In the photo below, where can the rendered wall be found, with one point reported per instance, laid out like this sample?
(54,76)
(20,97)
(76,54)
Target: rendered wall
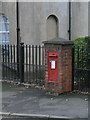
(33,20)
(79,19)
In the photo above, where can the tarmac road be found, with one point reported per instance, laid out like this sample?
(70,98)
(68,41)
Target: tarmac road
(12,118)
(40,119)
(18,99)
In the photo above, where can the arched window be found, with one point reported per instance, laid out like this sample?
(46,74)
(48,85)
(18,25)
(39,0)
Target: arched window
(52,27)
(4,30)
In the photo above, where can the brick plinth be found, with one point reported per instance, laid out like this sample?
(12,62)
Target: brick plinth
(64,80)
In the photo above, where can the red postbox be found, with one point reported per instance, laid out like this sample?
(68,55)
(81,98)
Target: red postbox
(53,67)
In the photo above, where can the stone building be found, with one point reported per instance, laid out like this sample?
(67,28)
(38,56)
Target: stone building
(39,21)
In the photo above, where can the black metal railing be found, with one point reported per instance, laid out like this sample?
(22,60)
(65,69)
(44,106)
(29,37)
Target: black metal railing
(9,62)
(29,69)
(81,68)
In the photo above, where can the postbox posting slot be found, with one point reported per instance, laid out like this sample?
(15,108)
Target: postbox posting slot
(52,54)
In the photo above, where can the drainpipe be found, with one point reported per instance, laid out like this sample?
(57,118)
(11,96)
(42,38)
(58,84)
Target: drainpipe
(69,31)
(18,26)
(18,35)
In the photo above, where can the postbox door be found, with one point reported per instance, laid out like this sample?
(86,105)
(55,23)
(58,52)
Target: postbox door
(52,67)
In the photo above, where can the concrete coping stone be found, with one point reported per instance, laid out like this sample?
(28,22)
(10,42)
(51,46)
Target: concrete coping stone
(60,41)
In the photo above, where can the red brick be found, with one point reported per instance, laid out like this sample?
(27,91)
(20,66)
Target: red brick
(64,68)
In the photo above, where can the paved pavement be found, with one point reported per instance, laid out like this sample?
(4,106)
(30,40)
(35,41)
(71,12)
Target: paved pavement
(19,99)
